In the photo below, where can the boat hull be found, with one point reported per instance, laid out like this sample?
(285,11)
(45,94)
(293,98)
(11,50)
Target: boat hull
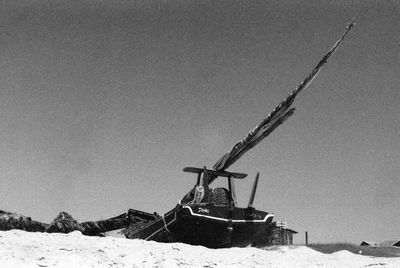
(208,225)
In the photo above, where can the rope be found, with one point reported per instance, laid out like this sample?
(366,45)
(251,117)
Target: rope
(169,234)
(165,224)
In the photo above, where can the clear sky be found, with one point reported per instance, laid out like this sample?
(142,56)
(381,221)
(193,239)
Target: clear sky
(102,103)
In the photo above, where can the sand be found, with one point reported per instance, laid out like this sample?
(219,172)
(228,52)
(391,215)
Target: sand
(24,249)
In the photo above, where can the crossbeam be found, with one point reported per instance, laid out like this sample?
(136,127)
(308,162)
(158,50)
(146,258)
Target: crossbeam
(226,174)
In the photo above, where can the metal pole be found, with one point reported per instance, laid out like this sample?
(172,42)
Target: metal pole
(306,238)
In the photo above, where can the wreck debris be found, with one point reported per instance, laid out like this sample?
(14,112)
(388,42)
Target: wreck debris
(9,221)
(65,223)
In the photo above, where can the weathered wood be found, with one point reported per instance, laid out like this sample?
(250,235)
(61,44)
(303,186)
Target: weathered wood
(216,173)
(253,191)
(65,223)
(9,221)
(281,113)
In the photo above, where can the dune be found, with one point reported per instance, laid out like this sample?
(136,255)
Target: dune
(28,249)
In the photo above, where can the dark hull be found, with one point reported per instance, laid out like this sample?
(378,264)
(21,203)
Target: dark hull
(208,225)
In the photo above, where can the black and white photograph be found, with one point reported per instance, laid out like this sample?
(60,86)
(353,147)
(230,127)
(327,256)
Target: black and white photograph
(182,133)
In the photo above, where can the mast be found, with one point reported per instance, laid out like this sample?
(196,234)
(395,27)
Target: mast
(277,116)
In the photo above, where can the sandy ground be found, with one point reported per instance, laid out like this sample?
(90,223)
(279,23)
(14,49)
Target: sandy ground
(23,249)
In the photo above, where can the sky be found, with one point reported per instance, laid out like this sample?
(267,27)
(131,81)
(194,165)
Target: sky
(103,103)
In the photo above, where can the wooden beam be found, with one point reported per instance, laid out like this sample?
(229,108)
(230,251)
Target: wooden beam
(216,173)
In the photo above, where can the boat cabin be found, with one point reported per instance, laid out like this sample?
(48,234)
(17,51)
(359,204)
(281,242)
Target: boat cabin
(201,193)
